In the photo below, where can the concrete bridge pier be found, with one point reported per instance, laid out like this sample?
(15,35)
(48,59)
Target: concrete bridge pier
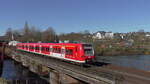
(33,66)
(25,61)
(42,70)
(61,78)
(54,77)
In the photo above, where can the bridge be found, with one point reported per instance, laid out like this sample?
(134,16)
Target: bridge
(60,72)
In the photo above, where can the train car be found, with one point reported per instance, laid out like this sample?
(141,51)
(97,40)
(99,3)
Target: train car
(75,52)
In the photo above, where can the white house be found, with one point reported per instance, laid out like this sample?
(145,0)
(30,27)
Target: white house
(13,43)
(147,35)
(102,35)
(109,35)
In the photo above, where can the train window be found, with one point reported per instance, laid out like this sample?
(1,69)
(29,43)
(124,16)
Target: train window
(70,52)
(26,47)
(58,50)
(88,51)
(87,45)
(30,47)
(43,49)
(54,49)
(37,48)
(67,52)
(47,49)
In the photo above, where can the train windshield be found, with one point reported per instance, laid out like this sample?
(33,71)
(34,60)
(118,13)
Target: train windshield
(88,49)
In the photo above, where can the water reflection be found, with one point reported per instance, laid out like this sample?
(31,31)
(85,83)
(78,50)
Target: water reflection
(16,72)
(138,61)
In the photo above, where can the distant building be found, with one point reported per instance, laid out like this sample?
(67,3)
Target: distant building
(13,43)
(99,35)
(147,35)
(120,35)
(103,35)
(109,35)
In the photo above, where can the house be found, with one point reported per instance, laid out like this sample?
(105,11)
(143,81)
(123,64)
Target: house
(103,35)
(13,43)
(99,35)
(147,35)
(120,35)
(109,35)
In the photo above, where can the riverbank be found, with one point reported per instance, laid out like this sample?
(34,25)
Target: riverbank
(121,51)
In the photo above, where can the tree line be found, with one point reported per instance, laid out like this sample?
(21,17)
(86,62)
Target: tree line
(34,34)
(31,34)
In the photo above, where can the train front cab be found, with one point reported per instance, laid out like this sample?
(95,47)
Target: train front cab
(88,53)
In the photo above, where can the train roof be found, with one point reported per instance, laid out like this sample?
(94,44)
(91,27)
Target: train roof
(50,43)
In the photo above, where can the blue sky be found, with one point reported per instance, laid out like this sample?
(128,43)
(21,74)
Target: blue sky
(76,15)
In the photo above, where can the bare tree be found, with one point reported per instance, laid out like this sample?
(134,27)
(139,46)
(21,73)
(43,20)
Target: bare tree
(35,34)
(8,34)
(26,32)
(49,35)
(17,34)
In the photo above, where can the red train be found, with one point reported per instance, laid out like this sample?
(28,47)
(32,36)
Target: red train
(76,52)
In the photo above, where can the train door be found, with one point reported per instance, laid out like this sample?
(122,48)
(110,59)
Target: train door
(63,52)
(40,48)
(51,50)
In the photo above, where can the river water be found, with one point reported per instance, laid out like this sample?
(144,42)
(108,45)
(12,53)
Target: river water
(137,61)
(16,72)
